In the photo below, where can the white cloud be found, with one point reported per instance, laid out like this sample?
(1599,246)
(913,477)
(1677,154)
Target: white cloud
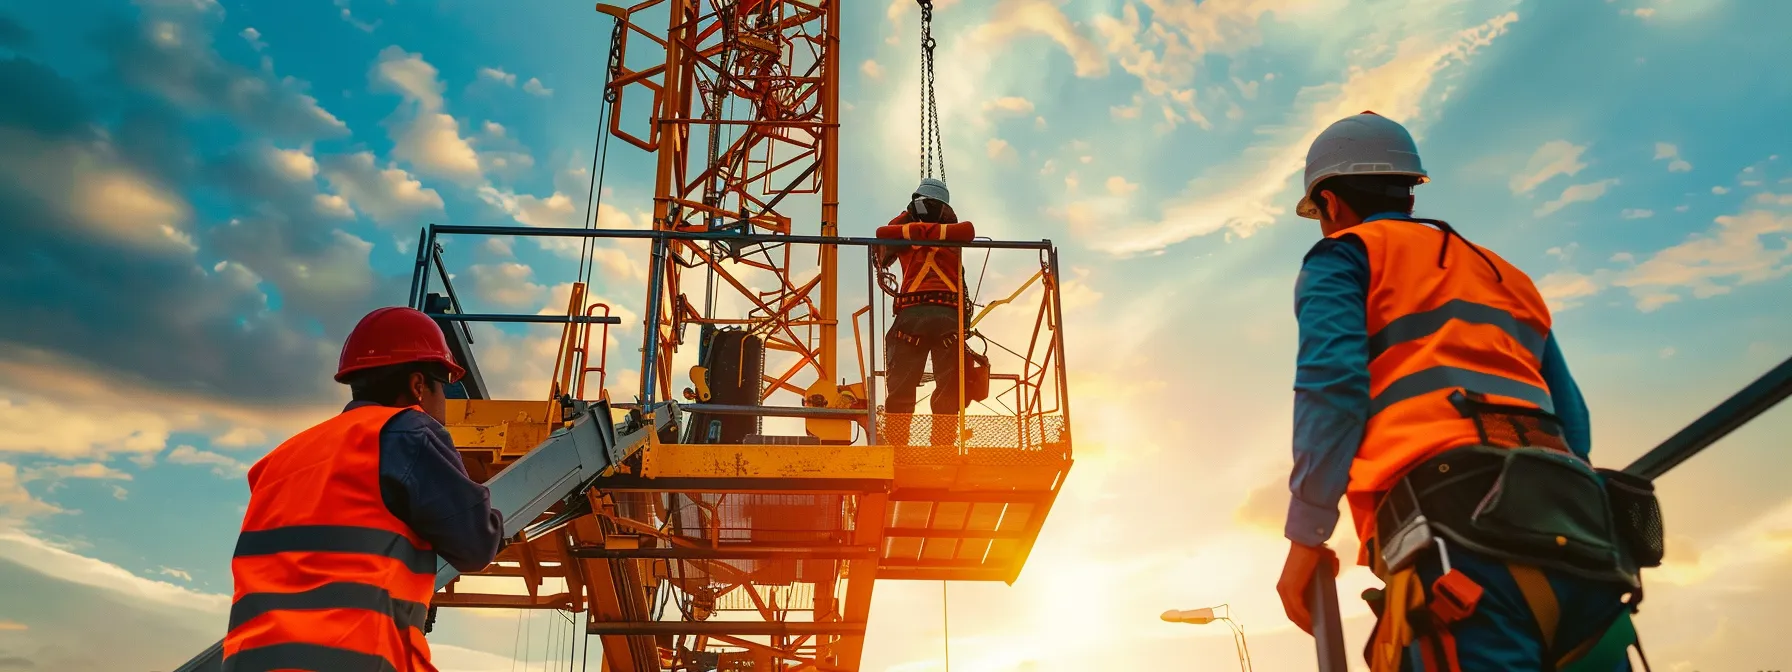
(1576,193)
(1720,190)
(1636,213)
(349,17)
(223,466)
(1676,164)
(1012,19)
(332,205)
(534,86)
(95,188)
(1118,186)
(407,74)
(88,470)
(16,503)
(1556,157)
(253,37)
(1243,195)
(43,557)
(507,284)
(241,437)
(1009,105)
(872,70)
(1641,12)
(498,75)
(389,195)
(422,134)
(1732,253)
(176,573)
(998,149)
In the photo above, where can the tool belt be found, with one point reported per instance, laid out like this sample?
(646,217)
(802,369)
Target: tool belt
(935,298)
(1520,497)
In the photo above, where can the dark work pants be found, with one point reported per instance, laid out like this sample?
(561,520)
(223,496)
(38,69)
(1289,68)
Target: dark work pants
(1502,635)
(936,330)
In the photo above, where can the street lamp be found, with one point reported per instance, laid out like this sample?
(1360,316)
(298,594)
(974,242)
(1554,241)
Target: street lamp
(1206,615)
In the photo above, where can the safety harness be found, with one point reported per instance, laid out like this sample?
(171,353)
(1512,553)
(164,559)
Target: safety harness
(1521,497)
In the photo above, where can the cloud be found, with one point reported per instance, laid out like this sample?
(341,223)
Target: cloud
(87,470)
(507,284)
(422,134)
(1676,164)
(13,35)
(1012,19)
(1576,193)
(16,503)
(241,437)
(1641,12)
(1636,213)
(1118,186)
(389,195)
(170,55)
(535,87)
(998,149)
(253,37)
(1556,157)
(1720,190)
(1251,192)
(222,466)
(1740,249)
(1009,105)
(498,75)
(872,70)
(176,573)
(357,23)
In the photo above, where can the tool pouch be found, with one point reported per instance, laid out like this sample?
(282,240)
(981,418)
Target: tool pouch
(1637,516)
(1550,508)
(976,376)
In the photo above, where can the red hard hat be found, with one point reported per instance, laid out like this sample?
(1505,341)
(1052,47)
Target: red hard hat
(396,335)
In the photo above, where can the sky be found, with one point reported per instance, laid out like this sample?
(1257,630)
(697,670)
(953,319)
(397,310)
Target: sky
(198,199)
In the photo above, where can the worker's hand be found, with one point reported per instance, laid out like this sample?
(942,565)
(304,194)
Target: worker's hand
(1296,583)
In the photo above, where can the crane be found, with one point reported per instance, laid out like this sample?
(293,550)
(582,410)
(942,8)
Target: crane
(742,522)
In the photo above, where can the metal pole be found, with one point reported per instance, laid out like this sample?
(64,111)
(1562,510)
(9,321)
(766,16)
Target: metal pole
(1768,390)
(1328,628)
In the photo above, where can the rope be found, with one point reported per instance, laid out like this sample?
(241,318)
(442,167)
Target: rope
(931,146)
(600,157)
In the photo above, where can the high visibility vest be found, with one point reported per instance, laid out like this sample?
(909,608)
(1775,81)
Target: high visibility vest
(929,274)
(1433,331)
(326,577)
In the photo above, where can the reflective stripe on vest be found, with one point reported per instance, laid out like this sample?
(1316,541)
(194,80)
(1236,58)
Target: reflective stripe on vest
(924,268)
(326,577)
(1432,331)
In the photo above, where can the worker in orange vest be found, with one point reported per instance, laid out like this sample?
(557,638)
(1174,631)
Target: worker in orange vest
(1430,392)
(337,560)
(929,308)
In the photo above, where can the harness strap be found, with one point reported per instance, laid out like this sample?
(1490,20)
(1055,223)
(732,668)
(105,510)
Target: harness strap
(1404,595)
(1541,599)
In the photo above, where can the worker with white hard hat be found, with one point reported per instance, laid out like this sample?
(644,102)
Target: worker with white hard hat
(1430,393)
(931,309)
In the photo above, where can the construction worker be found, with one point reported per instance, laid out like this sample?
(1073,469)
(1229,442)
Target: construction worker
(1431,393)
(337,559)
(929,308)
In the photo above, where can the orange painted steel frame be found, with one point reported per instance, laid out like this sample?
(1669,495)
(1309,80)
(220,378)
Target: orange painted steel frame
(759,530)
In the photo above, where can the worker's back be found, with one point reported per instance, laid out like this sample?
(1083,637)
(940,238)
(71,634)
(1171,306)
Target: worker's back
(325,574)
(1442,315)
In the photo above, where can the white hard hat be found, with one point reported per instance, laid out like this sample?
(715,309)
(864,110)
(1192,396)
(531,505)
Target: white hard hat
(934,189)
(1364,144)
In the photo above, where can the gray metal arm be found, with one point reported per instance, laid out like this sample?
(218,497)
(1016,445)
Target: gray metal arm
(563,465)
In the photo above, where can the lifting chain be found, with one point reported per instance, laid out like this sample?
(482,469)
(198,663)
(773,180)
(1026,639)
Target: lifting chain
(931,146)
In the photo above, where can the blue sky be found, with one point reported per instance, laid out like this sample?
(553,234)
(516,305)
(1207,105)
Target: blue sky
(200,197)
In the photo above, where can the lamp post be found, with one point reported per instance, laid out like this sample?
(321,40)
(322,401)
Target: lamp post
(1206,615)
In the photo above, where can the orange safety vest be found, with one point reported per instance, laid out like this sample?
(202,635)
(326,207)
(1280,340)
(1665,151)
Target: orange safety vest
(929,273)
(1442,315)
(326,577)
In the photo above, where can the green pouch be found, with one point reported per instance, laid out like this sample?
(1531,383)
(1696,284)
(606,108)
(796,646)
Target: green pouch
(1552,507)
(1612,650)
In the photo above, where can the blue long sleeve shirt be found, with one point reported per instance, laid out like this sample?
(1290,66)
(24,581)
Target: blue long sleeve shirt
(424,484)
(1331,385)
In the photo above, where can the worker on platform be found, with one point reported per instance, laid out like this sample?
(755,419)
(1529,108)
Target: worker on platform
(930,310)
(1429,382)
(337,559)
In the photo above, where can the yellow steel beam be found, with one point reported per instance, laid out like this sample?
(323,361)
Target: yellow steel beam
(666,460)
